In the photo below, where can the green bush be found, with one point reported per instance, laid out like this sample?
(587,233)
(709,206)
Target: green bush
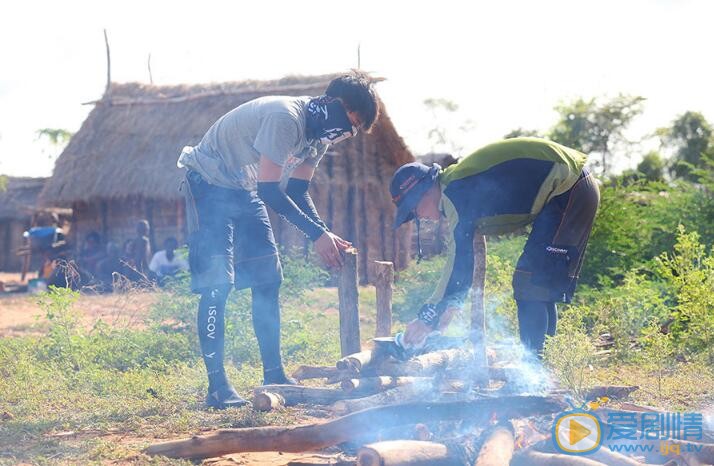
(688,272)
(636,223)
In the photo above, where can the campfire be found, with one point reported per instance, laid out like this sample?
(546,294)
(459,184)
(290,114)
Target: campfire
(455,404)
(427,410)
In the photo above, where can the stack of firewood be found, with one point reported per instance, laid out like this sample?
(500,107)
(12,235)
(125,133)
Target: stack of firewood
(423,411)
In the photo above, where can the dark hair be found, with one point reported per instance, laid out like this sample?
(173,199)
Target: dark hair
(357,93)
(171,240)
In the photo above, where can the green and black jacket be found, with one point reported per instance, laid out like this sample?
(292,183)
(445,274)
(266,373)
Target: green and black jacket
(497,189)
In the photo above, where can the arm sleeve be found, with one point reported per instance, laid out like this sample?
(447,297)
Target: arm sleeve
(270,193)
(457,277)
(297,190)
(277,137)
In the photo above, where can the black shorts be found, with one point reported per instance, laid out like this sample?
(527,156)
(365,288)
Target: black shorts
(233,243)
(549,267)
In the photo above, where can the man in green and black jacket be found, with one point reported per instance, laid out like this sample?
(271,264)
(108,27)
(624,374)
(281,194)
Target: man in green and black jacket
(498,189)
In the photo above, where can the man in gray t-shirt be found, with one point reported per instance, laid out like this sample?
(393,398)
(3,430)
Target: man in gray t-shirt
(264,151)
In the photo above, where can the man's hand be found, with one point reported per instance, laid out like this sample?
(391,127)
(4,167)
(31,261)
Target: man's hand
(416,332)
(328,247)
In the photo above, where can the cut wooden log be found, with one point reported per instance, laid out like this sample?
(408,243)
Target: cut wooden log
(429,363)
(401,394)
(320,372)
(355,362)
(297,394)
(267,401)
(406,453)
(603,454)
(347,291)
(383,287)
(314,437)
(497,447)
(530,457)
(371,385)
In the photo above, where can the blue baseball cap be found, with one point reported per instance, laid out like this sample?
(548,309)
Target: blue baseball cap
(409,184)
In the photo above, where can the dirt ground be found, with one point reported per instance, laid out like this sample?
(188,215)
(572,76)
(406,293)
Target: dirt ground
(21,314)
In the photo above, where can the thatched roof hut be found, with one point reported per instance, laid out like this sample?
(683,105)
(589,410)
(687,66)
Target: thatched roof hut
(17,206)
(121,165)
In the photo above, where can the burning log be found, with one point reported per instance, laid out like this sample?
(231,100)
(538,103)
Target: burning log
(355,362)
(371,385)
(406,453)
(429,363)
(297,394)
(313,437)
(497,448)
(404,393)
(531,457)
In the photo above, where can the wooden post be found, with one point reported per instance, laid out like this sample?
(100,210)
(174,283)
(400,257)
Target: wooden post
(383,286)
(349,304)
(478,319)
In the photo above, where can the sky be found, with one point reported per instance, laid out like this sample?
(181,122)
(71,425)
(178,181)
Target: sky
(506,63)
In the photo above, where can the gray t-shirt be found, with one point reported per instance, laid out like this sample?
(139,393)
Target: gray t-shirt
(273,126)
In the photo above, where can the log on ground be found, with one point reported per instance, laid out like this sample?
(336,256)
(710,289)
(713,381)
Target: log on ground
(404,393)
(313,437)
(406,453)
(321,372)
(298,394)
(497,447)
(530,457)
(371,385)
(355,362)
(429,363)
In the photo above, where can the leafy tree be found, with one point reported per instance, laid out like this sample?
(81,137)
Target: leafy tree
(520,133)
(652,166)
(56,136)
(3,183)
(691,137)
(591,126)
(443,112)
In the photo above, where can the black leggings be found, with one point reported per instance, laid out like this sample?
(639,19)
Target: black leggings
(211,328)
(536,319)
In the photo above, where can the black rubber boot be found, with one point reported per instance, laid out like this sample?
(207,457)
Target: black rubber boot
(277,376)
(224,397)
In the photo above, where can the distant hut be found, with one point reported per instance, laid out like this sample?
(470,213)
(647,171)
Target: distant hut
(17,206)
(121,167)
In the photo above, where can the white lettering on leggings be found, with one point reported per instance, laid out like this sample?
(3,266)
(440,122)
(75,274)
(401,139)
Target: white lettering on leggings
(211,327)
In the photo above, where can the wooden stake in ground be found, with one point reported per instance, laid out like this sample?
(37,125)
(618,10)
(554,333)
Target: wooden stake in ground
(406,453)
(349,303)
(314,437)
(478,312)
(383,286)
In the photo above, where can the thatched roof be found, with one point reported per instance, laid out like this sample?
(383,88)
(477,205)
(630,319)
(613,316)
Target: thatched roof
(18,201)
(129,143)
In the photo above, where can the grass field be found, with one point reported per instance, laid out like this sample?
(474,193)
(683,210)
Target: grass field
(94,379)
